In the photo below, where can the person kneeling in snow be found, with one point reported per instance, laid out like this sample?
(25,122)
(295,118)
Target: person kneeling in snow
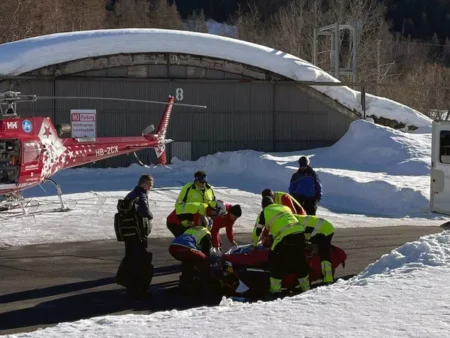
(287,254)
(194,214)
(226,221)
(192,249)
(285,199)
(319,232)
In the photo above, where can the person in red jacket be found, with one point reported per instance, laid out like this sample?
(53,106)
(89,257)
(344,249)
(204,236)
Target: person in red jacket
(175,226)
(226,221)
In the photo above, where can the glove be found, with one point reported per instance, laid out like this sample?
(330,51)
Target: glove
(216,251)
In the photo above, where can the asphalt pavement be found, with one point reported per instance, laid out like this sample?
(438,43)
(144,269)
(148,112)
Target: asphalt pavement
(43,285)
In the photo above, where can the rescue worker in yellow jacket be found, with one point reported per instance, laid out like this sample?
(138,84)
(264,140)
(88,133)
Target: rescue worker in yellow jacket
(283,198)
(287,252)
(195,197)
(319,232)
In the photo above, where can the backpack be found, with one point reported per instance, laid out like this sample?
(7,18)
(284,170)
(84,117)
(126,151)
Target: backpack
(128,223)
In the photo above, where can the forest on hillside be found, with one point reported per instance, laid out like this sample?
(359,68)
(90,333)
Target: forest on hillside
(402,43)
(420,19)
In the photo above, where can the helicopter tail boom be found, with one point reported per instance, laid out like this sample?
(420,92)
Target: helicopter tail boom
(161,132)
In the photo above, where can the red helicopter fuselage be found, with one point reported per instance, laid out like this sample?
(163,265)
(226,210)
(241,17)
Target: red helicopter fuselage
(31,150)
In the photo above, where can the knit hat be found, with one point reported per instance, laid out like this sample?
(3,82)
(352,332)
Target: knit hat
(266,201)
(236,210)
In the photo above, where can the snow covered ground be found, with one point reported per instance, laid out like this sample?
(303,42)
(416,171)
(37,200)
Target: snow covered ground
(404,294)
(374,176)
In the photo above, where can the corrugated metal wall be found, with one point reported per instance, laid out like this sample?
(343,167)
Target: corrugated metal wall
(261,116)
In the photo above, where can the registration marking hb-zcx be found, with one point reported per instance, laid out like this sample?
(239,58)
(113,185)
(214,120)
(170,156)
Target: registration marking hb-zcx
(107,151)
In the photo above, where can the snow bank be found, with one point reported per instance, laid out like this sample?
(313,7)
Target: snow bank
(26,55)
(370,147)
(405,294)
(375,176)
(372,170)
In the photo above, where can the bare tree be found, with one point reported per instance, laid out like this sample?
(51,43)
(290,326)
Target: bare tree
(19,19)
(130,14)
(68,16)
(196,22)
(166,16)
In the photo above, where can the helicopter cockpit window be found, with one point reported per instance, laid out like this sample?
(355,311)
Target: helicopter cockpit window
(9,161)
(31,152)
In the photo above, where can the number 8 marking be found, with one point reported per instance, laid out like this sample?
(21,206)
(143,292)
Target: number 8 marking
(179,95)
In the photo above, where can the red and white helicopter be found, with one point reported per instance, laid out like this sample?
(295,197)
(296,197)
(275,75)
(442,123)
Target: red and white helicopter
(32,149)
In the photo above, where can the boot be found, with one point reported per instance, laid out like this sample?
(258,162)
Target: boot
(275,289)
(327,272)
(303,284)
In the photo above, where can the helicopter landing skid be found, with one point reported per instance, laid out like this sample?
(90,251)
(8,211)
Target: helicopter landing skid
(12,202)
(59,192)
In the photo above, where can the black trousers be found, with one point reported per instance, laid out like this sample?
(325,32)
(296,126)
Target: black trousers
(324,244)
(288,257)
(309,204)
(176,229)
(136,269)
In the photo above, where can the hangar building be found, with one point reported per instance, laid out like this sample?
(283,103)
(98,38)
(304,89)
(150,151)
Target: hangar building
(252,94)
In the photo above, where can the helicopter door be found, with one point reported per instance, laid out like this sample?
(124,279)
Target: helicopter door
(9,161)
(31,156)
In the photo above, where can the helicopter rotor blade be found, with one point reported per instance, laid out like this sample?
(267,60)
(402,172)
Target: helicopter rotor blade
(115,99)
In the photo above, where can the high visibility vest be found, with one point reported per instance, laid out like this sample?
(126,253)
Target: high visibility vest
(279,195)
(280,221)
(189,194)
(186,211)
(197,233)
(315,225)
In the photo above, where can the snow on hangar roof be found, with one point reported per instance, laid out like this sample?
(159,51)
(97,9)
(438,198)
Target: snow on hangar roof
(22,56)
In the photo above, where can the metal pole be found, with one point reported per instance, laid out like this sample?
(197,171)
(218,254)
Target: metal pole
(355,56)
(315,47)
(378,66)
(336,55)
(363,100)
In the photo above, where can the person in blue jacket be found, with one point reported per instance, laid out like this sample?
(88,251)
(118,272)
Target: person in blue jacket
(305,186)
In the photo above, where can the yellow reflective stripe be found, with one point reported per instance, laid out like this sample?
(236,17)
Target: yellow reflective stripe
(274,218)
(287,226)
(316,229)
(259,226)
(197,234)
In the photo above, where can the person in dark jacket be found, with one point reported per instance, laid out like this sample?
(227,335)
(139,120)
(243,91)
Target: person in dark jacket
(305,186)
(136,270)
(141,191)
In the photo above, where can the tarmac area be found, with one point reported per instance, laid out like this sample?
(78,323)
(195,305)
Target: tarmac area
(43,285)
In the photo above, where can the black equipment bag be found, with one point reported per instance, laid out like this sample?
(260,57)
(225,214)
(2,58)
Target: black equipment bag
(128,223)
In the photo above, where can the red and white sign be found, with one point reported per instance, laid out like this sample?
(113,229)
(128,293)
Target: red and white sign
(83,122)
